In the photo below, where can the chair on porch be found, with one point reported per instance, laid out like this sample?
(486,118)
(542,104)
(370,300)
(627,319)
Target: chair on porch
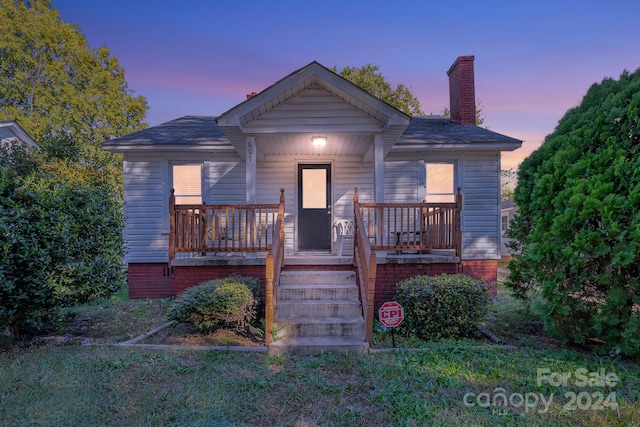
(342,228)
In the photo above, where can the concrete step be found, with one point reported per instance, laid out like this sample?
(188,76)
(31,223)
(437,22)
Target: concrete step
(352,326)
(321,277)
(309,345)
(317,308)
(317,292)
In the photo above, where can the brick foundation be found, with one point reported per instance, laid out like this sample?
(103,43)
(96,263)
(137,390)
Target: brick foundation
(156,280)
(150,280)
(188,276)
(485,269)
(387,275)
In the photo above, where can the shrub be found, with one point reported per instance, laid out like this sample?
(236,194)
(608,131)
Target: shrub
(229,301)
(577,229)
(442,306)
(60,238)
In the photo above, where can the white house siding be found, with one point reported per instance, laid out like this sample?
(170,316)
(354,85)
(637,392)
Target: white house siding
(401,181)
(225,181)
(271,176)
(481,206)
(350,173)
(282,173)
(145,201)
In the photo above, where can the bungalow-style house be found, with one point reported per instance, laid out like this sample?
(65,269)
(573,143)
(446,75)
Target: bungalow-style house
(11,133)
(325,192)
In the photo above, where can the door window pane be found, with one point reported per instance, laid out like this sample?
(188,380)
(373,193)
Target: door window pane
(187,183)
(314,188)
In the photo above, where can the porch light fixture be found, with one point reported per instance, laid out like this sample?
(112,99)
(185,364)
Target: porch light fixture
(319,141)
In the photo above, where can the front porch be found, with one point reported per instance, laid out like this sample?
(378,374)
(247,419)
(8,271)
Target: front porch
(250,238)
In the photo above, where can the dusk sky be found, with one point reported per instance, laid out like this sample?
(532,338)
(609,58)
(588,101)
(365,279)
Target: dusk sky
(533,60)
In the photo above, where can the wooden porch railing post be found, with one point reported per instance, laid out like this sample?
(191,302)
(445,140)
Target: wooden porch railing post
(355,225)
(172,226)
(458,223)
(274,263)
(281,215)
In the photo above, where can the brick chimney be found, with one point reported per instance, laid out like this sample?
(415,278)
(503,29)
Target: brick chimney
(462,92)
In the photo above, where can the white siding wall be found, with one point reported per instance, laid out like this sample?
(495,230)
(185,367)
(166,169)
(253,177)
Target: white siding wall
(144,207)
(401,179)
(481,206)
(271,176)
(282,173)
(146,190)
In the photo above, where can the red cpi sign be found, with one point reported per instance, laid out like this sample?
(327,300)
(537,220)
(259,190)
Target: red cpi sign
(391,314)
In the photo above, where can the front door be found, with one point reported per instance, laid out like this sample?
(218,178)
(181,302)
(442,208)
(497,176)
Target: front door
(314,207)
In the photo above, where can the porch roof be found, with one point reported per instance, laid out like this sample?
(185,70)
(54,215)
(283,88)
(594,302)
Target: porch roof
(202,133)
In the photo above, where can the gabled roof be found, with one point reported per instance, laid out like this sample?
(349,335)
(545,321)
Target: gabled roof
(241,120)
(11,131)
(260,115)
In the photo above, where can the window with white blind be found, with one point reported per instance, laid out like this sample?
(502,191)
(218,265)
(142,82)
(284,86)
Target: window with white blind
(187,183)
(440,182)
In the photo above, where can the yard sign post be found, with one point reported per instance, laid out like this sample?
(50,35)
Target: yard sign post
(391,314)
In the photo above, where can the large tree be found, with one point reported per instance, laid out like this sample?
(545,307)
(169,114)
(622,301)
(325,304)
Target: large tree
(577,231)
(54,84)
(369,78)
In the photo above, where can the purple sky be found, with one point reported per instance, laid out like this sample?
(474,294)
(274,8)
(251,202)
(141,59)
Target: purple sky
(534,59)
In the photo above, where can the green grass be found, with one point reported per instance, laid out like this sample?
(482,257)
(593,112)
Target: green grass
(75,385)
(98,385)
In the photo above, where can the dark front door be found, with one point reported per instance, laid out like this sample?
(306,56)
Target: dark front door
(314,207)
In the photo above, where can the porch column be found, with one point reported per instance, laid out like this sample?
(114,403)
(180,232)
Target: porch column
(378,169)
(250,174)
(250,170)
(378,181)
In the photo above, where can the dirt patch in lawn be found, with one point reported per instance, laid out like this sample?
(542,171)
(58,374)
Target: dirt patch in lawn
(185,334)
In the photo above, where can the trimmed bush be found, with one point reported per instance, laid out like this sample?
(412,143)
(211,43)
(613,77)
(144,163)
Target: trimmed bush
(222,302)
(444,306)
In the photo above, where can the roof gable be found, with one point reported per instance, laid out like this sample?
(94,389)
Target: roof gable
(318,94)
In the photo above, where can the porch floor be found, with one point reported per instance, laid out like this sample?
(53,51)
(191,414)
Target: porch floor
(317,258)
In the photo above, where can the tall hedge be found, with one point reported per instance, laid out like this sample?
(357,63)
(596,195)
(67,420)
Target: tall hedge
(577,231)
(60,236)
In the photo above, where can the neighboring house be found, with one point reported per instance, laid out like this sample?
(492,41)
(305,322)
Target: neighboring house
(508,209)
(317,136)
(11,133)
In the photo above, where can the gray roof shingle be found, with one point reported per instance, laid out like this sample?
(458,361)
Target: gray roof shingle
(204,131)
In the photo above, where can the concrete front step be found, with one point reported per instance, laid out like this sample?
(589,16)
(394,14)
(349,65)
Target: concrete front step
(308,345)
(318,277)
(352,326)
(318,292)
(317,308)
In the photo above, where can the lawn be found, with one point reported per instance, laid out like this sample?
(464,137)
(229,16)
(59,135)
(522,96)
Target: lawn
(449,383)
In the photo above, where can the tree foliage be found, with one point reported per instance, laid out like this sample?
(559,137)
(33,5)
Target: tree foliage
(60,236)
(369,78)
(577,230)
(508,180)
(55,85)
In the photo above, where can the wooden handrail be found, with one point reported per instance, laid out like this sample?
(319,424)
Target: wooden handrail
(274,263)
(366,264)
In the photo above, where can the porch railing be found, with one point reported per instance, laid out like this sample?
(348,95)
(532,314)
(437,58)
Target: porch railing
(203,228)
(413,226)
(275,261)
(366,264)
